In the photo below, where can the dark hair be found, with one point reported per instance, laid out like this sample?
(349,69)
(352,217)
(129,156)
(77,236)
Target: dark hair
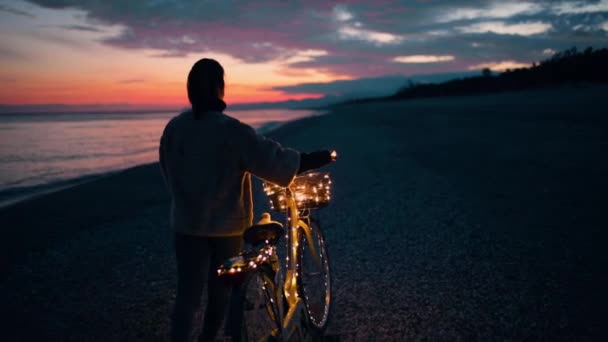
(206,86)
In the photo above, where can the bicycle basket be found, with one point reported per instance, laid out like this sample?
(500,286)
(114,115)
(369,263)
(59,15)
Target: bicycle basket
(311,190)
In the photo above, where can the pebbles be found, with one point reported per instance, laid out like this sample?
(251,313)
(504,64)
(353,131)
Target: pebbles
(435,231)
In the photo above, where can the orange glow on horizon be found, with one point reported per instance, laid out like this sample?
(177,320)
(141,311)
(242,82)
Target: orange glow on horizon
(29,95)
(99,74)
(48,91)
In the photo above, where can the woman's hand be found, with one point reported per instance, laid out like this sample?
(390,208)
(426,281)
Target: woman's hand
(334,155)
(315,160)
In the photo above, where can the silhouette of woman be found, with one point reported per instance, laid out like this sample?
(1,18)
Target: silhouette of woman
(207,159)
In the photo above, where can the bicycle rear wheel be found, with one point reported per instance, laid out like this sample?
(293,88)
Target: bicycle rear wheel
(255,310)
(314,282)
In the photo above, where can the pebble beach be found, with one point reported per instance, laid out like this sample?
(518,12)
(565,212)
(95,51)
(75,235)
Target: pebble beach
(461,218)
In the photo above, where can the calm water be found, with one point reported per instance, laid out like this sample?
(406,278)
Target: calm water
(39,151)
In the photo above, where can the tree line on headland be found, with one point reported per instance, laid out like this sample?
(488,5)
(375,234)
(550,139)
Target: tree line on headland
(569,66)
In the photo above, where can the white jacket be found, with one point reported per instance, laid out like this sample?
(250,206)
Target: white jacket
(207,165)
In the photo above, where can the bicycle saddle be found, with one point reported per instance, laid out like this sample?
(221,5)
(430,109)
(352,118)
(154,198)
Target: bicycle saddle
(265,229)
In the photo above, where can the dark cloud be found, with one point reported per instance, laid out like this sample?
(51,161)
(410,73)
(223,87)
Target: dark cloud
(11,53)
(57,4)
(81,28)
(132,80)
(359,38)
(7,9)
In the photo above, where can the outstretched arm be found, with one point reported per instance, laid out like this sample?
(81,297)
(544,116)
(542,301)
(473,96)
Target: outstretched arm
(315,160)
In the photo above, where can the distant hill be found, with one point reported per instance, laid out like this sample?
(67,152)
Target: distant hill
(564,67)
(344,90)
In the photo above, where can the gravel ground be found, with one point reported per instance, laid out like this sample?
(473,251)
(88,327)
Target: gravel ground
(472,218)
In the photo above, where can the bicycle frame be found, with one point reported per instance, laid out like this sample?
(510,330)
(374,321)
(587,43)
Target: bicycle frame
(294,322)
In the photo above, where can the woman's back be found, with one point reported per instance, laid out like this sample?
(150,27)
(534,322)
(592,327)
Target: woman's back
(207,162)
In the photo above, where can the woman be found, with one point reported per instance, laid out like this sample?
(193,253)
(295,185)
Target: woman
(207,159)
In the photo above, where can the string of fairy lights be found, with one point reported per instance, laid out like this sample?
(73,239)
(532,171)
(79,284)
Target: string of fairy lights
(309,191)
(244,262)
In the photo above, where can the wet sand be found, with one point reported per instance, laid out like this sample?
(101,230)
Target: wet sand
(467,218)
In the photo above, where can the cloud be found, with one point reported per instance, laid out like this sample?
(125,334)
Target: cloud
(11,53)
(378,38)
(580,7)
(342,14)
(132,80)
(355,31)
(15,11)
(81,28)
(306,55)
(582,27)
(497,10)
(170,54)
(549,52)
(357,37)
(510,9)
(604,26)
(500,66)
(500,27)
(423,59)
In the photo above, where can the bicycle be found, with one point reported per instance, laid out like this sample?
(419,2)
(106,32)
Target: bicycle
(268,305)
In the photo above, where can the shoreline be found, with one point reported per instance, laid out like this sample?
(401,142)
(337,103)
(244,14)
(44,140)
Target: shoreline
(26,193)
(35,191)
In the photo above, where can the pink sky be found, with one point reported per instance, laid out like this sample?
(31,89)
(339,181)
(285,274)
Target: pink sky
(139,52)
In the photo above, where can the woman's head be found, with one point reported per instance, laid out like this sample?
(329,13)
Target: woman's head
(205,84)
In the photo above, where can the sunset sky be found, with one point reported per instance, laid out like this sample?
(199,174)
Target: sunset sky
(139,52)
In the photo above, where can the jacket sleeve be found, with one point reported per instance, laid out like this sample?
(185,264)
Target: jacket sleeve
(267,159)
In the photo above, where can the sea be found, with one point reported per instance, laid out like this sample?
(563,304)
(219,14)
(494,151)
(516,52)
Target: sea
(41,153)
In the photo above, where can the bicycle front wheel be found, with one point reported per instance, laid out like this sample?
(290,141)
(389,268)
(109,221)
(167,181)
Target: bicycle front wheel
(314,280)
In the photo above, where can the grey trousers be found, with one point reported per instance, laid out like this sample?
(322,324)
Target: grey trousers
(197,262)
